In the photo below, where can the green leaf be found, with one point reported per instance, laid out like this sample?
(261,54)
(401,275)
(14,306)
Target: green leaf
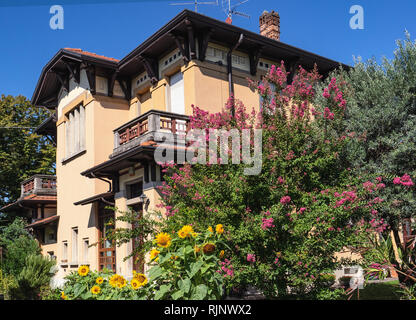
(155,273)
(177,295)
(200,292)
(195,267)
(185,285)
(162,291)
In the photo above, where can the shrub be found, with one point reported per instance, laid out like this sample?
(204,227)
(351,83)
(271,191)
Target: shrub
(17,244)
(35,275)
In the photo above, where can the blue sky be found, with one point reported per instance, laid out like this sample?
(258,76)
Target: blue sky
(114,29)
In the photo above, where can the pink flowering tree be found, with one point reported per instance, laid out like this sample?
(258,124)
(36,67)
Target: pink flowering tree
(286,224)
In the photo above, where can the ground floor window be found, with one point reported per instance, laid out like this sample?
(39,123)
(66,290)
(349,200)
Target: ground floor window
(106,248)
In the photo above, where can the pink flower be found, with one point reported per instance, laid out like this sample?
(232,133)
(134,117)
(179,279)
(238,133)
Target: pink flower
(251,257)
(267,223)
(285,200)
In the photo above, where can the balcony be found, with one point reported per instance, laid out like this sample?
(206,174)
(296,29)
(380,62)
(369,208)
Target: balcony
(39,185)
(149,126)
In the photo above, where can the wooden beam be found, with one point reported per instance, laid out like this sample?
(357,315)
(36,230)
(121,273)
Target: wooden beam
(63,79)
(151,66)
(191,39)
(291,67)
(90,70)
(254,57)
(203,40)
(111,82)
(74,71)
(182,45)
(124,84)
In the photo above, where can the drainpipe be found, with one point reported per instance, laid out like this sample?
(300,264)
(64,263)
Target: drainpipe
(230,71)
(110,190)
(109,182)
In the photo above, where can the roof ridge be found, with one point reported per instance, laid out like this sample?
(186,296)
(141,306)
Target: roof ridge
(79,50)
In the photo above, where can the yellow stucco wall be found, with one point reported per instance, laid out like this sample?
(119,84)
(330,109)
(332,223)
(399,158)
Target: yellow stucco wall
(102,115)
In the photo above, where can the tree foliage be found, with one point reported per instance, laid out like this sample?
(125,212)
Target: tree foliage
(382,112)
(22,152)
(17,244)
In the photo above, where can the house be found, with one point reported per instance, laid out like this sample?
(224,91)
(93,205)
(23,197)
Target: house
(109,114)
(37,203)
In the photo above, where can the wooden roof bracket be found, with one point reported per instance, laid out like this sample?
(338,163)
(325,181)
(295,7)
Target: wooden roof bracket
(191,39)
(203,40)
(90,70)
(292,66)
(125,85)
(254,57)
(182,45)
(73,71)
(151,67)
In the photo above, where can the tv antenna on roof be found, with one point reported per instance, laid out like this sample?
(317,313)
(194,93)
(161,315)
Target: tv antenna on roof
(195,2)
(229,8)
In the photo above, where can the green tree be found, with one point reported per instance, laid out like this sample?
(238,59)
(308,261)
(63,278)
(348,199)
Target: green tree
(17,244)
(22,152)
(382,112)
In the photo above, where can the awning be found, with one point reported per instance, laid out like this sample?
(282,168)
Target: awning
(104,197)
(43,222)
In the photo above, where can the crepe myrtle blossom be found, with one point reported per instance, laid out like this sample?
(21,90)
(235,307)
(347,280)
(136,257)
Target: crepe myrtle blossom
(285,200)
(405,180)
(251,257)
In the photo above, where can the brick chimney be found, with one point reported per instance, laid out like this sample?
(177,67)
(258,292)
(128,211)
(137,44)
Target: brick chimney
(270,25)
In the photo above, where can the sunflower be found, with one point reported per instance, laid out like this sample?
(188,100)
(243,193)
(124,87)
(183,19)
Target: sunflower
(182,234)
(135,284)
(210,229)
(219,228)
(117,281)
(95,290)
(121,283)
(99,280)
(153,254)
(163,240)
(197,249)
(141,278)
(186,231)
(222,254)
(83,270)
(63,296)
(208,248)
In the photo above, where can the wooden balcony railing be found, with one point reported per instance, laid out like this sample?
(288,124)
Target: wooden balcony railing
(39,184)
(147,126)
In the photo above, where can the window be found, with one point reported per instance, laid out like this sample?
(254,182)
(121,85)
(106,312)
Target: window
(177,93)
(85,250)
(106,248)
(64,251)
(75,131)
(134,190)
(74,245)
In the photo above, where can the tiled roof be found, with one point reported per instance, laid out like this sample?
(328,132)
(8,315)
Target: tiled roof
(35,197)
(43,221)
(91,54)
